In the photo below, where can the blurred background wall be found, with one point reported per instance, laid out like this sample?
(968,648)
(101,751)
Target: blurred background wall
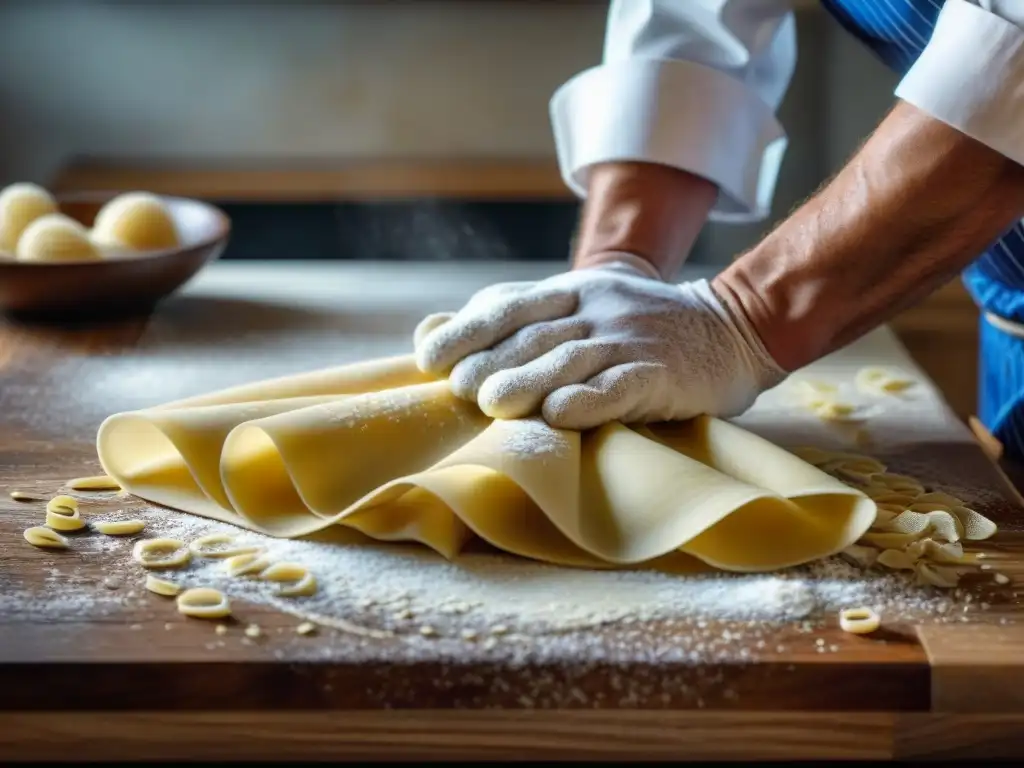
(257,81)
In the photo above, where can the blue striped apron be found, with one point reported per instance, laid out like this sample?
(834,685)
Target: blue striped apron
(897,31)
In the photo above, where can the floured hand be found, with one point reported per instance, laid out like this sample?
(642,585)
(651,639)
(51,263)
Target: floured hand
(597,345)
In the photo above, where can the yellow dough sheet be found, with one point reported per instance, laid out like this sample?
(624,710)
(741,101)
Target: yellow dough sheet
(384,449)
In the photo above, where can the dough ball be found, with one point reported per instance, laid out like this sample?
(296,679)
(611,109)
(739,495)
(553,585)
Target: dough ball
(136,220)
(55,237)
(20,205)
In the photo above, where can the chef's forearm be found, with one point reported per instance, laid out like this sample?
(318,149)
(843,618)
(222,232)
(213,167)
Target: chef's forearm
(650,210)
(914,206)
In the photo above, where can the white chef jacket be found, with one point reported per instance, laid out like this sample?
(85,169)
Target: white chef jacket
(695,85)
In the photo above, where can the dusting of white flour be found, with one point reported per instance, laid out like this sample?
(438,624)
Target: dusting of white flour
(404,601)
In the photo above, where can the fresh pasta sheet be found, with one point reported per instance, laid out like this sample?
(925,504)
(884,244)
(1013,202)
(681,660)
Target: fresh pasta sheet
(385,449)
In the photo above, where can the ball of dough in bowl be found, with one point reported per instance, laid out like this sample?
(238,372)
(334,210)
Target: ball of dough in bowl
(56,237)
(20,205)
(136,220)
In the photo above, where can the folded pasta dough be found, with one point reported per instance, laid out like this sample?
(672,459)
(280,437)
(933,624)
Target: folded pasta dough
(381,448)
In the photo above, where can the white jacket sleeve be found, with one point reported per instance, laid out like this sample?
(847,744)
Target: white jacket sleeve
(971,73)
(691,84)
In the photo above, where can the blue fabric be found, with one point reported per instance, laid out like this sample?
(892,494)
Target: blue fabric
(1001,386)
(897,31)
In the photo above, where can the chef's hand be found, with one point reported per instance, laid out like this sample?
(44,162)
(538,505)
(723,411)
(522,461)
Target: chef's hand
(611,342)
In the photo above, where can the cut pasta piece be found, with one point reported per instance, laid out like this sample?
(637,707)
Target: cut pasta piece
(206,546)
(204,603)
(864,465)
(907,522)
(868,379)
(950,553)
(899,483)
(854,478)
(45,538)
(95,483)
(859,621)
(928,506)
(884,517)
(895,386)
(942,576)
(159,554)
(878,381)
(944,526)
(161,586)
(303,583)
(62,514)
(119,527)
(860,555)
(833,410)
(976,526)
(246,564)
(22,496)
(888,496)
(884,540)
(812,455)
(938,497)
(896,559)
(63,503)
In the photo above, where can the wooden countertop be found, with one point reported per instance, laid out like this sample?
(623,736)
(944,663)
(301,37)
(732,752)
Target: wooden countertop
(136,680)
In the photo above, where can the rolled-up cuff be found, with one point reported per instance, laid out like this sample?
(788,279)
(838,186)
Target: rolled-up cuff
(971,77)
(673,113)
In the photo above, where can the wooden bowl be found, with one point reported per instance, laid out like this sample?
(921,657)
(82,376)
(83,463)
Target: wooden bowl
(118,286)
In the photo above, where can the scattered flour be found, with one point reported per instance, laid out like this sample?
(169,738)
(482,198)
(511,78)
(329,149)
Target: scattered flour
(405,602)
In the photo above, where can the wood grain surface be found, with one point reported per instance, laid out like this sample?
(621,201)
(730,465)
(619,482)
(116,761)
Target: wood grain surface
(175,693)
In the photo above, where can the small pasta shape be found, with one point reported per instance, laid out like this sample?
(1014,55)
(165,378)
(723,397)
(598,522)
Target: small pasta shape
(63,504)
(118,527)
(883,517)
(859,621)
(22,496)
(161,553)
(945,526)
(204,603)
(908,522)
(878,381)
(885,540)
(833,410)
(976,526)
(860,555)
(161,586)
(95,483)
(814,456)
(938,497)
(62,514)
(246,564)
(899,483)
(303,582)
(950,553)
(39,536)
(206,546)
(946,577)
(897,560)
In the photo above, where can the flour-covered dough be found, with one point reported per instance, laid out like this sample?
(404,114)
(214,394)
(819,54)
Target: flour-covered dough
(385,449)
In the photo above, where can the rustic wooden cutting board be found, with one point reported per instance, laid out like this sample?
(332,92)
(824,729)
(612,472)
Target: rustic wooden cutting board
(135,679)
